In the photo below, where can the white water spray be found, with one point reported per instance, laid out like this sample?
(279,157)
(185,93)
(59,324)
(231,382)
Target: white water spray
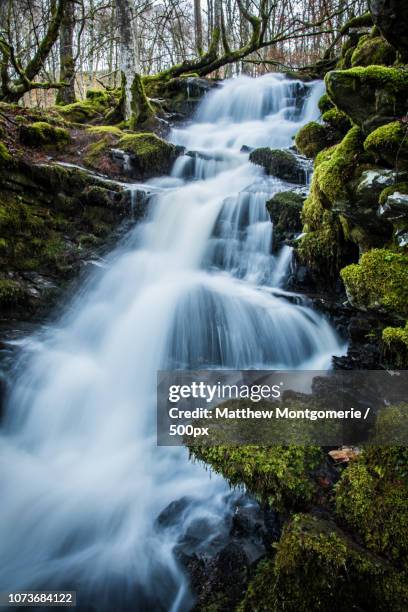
(195,285)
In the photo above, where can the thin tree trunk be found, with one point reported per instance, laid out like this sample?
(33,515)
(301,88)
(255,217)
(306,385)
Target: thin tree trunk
(198,26)
(66,95)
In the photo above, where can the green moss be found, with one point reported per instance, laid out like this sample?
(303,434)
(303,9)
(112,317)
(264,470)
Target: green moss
(380,280)
(325,103)
(41,133)
(11,292)
(106,129)
(337,120)
(395,344)
(333,167)
(96,104)
(280,475)
(397,188)
(373,51)
(322,249)
(389,143)
(318,567)
(151,155)
(4,154)
(362,21)
(372,495)
(312,138)
(370,96)
(333,172)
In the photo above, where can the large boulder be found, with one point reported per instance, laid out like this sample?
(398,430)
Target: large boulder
(280,163)
(146,155)
(370,96)
(391,17)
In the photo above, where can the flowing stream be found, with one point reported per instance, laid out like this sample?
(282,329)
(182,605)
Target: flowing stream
(193,286)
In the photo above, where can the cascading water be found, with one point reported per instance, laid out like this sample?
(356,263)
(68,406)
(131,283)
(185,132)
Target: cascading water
(195,285)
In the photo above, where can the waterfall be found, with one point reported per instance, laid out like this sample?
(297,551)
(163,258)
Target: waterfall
(194,285)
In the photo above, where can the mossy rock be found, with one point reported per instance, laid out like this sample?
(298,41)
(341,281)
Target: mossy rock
(97,153)
(41,133)
(389,143)
(397,188)
(391,17)
(279,475)
(379,281)
(373,51)
(325,103)
(337,120)
(11,293)
(96,104)
(285,211)
(5,156)
(281,163)
(372,495)
(327,249)
(395,346)
(149,155)
(312,138)
(318,567)
(370,96)
(334,167)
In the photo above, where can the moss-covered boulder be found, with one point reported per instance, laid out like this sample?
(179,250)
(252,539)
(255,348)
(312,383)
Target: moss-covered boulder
(325,103)
(379,281)
(285,211)
(91,110)
(372,497)
(389,143)
(318,567)
(395,346)
(41,133)
(370,96)
(338,121)
(312,138)
(279,475)
(281,163)
(148,154)
(97,152)
(373,50)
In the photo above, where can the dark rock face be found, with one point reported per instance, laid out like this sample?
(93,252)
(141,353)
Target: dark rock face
(391,17)
(282,164)
(285,210)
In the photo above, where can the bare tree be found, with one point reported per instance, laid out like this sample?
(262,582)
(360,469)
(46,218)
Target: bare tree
(17,79)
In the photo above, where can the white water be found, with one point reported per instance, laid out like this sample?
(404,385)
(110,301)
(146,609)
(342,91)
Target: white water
(195,285)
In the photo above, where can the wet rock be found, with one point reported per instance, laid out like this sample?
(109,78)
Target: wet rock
(280,163)
(395,208)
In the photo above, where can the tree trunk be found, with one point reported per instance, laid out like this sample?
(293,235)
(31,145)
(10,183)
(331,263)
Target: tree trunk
(198,27)
(135,105)
(66,95)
